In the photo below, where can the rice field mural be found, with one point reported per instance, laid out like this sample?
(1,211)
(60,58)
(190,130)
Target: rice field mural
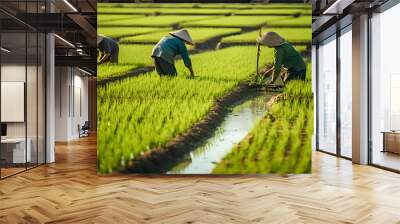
(180,90)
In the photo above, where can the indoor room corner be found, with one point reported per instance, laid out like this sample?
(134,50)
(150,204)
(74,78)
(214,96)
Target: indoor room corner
(48,80)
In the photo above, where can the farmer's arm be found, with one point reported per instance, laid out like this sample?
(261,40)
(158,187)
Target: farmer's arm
(186,59)
(268,71)
(279,54)
(105,49)
(104,57)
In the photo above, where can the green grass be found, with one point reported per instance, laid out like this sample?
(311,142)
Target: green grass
(197,34)
(279,143)
(290,34)
(154,21)
(142,113)
(130,57)
(117,32)
(236,21)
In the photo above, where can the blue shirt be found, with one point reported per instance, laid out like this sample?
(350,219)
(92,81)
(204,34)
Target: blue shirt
(108,45)
(168,47)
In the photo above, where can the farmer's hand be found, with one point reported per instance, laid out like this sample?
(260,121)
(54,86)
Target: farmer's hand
(191,72)
(270,82)
(268,72)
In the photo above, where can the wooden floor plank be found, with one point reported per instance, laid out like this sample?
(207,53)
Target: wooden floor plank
(70,191)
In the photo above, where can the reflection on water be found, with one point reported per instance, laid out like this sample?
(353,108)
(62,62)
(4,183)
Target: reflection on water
(232,130)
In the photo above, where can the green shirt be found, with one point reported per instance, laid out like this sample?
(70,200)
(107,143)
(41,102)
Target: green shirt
(168,47)
(287,56)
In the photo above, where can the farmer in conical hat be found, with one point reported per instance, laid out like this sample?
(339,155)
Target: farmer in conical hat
(286,56)
(167,48)
(108,49)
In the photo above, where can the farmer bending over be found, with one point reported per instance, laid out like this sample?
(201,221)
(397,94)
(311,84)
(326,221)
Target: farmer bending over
(167,48)
(286,56)
(108,49)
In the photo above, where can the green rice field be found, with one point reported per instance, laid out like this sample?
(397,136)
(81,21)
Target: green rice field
(118,32)
(198,34)
(139,114)
(206,6)
(131,57)
(166,11)
(153,21)
(235,21)
(281,141)
(156,109)
(291,35)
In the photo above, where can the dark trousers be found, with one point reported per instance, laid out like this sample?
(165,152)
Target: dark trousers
(114,56)
(296,75)
(163,67)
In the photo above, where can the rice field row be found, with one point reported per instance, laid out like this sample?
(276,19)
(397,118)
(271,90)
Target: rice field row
(131,57)
(204,21)
(197,34)
(206,6)
(291,35)
(152,110)
(194,11)
(141,113)
(149,21)
(279,143)
(118,32)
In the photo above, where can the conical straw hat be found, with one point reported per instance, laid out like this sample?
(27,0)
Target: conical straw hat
(100,37)
(182,34)
(271,39)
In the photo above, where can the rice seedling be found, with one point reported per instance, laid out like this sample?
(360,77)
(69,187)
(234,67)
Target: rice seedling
(138,114)
(290,34)
(281,142)
(235,21)
(302,21)
(177,5)
(131,57)
(204,6)
(153,21)
(163,11)
(272,11)
(139,54)
(104,19)
(152,110)
(283,6)
(110,70)
(197,34)
(118,32)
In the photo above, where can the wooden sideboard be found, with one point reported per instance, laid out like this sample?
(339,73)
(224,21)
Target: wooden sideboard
(391,141)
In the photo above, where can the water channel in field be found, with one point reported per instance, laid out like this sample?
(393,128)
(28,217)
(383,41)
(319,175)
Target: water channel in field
(236,125)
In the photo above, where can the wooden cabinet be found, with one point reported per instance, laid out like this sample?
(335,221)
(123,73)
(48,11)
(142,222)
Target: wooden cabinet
(391,142)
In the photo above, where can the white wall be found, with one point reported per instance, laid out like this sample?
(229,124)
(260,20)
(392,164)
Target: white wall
(10,73)
(62,82)
(71,87)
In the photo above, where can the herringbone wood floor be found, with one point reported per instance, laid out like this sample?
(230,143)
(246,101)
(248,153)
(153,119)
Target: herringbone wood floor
(69,191)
